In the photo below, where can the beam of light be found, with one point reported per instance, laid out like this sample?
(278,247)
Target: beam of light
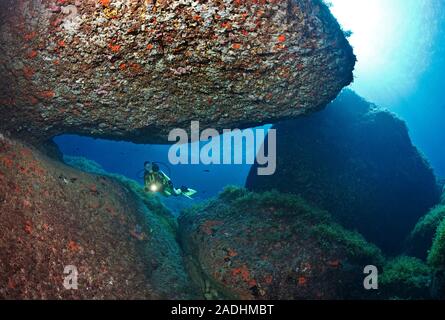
(392,40)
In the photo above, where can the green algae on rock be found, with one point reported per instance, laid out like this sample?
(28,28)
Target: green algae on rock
(421,238)
(136,69)
(427,240)
(405,278)
(436,259)
(247,245)
(436,256)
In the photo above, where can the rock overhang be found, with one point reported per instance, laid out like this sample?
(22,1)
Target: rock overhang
(135,69)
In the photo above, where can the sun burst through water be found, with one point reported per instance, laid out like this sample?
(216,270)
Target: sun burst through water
(388,36)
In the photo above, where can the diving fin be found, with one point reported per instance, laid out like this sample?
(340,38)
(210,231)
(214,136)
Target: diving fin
(189,193)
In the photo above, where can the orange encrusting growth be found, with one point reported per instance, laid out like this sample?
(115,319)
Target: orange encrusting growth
(105,3)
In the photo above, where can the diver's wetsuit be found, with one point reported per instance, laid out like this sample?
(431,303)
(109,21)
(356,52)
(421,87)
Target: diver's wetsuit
(157,181)
(162,183)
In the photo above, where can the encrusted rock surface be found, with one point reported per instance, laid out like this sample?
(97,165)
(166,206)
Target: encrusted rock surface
(134,69)
(53,216)
(245,245)
(357,162)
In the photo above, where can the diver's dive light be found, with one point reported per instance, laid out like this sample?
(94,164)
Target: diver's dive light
(154,187)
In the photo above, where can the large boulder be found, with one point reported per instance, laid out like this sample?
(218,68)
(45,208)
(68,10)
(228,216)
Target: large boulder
(357,162)
(135,69)
(245,245)
(53,216)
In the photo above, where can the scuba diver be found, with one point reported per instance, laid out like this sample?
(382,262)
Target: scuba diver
(155,180)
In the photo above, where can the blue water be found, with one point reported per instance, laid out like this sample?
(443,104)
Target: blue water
(127,158)
(400,47)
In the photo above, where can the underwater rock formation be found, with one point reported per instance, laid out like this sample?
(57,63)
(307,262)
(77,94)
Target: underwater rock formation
(357,162)
(53,216)
(136,69)
(245,245)
(165,266)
